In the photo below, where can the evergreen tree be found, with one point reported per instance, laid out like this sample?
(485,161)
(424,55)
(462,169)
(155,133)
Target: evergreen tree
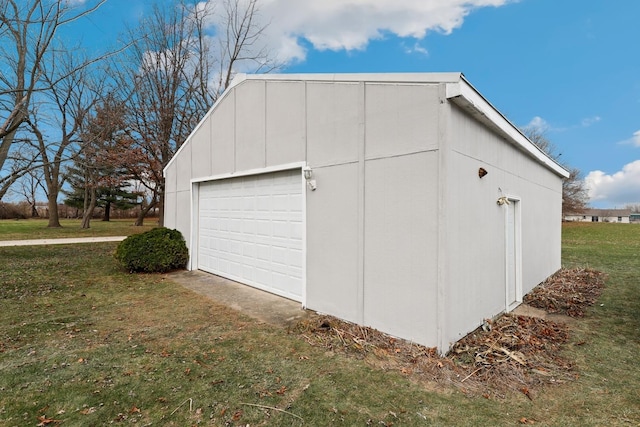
(99,176)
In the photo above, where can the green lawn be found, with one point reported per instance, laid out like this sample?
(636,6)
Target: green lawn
(11,229)
(85,343)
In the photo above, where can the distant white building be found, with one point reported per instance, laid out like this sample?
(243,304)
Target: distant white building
(601,215)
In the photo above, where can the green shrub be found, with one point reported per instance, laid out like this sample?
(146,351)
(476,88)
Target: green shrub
(155,251)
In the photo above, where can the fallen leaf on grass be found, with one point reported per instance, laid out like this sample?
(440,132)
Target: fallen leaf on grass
(236,415)
(134,410)
(88,411)
(44,421)
(524,420)
(282,390)
(526,392)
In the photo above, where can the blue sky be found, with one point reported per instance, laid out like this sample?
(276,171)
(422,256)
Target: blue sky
(569,67)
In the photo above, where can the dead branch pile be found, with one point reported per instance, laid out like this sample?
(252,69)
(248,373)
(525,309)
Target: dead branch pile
(511,353)
(569,291)
(517,354)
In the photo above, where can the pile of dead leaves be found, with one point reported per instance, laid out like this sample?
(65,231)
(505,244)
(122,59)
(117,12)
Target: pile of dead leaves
(569,291)
(513,353)
(509,354)
(517,354)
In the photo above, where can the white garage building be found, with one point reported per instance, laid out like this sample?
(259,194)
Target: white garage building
(404,202)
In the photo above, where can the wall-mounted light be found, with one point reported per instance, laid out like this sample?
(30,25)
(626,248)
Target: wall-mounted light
(308,176)
(504,200)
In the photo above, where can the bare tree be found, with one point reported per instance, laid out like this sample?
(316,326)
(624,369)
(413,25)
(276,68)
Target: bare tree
(175,71)
(56,121)
(633,207)
(29,187)
(574,192)
(27,34)
(20,162)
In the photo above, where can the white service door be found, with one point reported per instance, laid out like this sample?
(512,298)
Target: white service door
(514,282)
(251,231)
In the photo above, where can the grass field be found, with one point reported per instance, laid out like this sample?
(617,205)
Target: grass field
(84,343)
(11,229)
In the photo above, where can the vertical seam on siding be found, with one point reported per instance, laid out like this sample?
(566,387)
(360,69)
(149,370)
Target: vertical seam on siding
(264,129)
(361,199)
(235,138)
(444,122)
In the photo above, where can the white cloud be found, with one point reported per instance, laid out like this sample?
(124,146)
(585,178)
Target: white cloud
(352,24)
(590,121)
(542,126)
(416,48)
(633,140)
(538,124)
(618,189)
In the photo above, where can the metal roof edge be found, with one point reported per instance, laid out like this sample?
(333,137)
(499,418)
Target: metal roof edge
(465,95)
(445,77)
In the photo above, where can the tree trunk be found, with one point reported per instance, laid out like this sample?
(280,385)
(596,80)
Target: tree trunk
(161,208)
(143,212)
(88,212)
(52,202)
(34,211)
(107,211)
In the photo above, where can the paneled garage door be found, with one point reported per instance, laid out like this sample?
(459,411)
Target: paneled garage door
(251,231)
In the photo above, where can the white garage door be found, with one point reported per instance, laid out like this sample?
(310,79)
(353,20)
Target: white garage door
(251,231)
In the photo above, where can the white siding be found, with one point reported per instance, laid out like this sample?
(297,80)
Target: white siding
(401,119)
(400,246)
(332,239)
(285,123)
(333,126)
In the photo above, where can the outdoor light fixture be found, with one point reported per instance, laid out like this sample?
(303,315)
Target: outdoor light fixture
(307,173)
(308,176)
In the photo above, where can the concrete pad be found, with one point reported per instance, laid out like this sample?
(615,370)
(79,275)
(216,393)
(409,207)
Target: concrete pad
(260,305)
(64,241)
